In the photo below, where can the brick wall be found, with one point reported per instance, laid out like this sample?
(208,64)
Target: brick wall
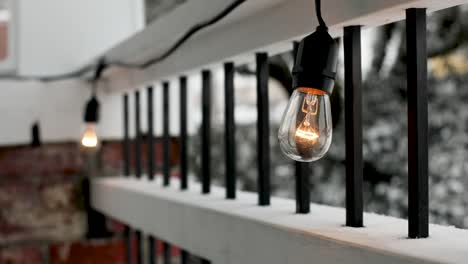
(3,40)
(42,212)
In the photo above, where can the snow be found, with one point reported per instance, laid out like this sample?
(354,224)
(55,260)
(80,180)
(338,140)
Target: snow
(320,234)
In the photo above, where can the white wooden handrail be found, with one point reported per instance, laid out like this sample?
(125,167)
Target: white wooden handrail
(239,231)
(257,25)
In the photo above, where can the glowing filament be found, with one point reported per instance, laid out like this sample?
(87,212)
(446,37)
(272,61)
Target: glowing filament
(306,133)
(89,139)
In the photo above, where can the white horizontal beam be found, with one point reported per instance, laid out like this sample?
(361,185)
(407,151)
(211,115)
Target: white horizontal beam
(260,25)
(239,231)
(55,36)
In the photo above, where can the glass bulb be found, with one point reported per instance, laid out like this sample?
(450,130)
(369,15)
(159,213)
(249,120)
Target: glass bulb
(305,133)
(90,139)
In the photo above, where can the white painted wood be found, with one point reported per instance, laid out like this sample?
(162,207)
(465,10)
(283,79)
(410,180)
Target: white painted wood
(56,36)
(258,25)
(239,231)
(9,64)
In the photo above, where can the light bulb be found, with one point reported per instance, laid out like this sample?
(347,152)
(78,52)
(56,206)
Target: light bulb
(305,133)
(89,138)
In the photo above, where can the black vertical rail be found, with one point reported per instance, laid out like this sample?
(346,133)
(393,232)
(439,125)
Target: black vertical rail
(230,141)
(138,166)
(184,257)
(126,143)
(353,126)
(137,136)
(418,193)
(302,188)
(167,253)
(301,174)
(128,244)
(183,134)
(183,147)
(151,239)
(139,251)
(152,257)
(166,137)
(263,130)
(206,126)
(166,157)
(150,134)
(126,171)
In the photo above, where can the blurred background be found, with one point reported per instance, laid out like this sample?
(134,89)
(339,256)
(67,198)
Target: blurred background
(44,212)
(384,120)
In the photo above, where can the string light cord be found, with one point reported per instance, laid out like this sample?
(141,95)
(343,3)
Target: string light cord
(193,30)
(70,75)
(318,12)
(101,67)
(97,75)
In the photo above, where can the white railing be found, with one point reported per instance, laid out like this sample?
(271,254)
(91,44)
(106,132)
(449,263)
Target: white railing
(239,231)
(257,25)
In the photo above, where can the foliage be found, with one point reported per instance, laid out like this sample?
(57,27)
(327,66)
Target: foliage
(384,131)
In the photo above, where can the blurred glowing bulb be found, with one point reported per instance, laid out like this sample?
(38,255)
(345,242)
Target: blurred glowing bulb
(89,138)
(305,133)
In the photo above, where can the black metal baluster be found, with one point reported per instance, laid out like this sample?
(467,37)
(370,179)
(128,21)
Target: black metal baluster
(150,134)
(230,141)
(418,193)
(139,250)
(302,188)
(183,134)
(151,239)
(302,175)
(206,126)
(126,143)
(184,257)
(137,136)
(166,137)
(138,235)
(263,130)
(126,171)
(152,257)
(166,157)
(353,126)
(183,147)
(128,244)
(167,253)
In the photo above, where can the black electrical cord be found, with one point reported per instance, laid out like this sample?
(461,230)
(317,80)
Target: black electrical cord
(226,11)
(101,66)
(318,12)
(70,75)
(97,75)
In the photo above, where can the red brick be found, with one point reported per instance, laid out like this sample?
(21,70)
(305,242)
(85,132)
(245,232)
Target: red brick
(39,198)
(3,40)
(112,155)
(7,229)
(54,161)
(115,226)
(21,255)
(89,252)
(175,251)
(39,213)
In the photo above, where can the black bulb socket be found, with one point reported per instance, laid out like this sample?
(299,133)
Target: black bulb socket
(92,111)
(316,61)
